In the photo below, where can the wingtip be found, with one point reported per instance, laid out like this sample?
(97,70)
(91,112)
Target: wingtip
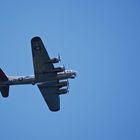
(36,38)
(5,95)
(55,110)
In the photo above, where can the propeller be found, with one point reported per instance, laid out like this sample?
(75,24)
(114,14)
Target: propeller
(59,58)
(64,67)
(68,85)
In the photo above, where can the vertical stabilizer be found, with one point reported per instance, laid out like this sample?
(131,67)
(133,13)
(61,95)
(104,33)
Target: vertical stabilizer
(4,89)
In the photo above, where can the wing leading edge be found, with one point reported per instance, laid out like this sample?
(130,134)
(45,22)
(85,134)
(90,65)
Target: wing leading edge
(42,70)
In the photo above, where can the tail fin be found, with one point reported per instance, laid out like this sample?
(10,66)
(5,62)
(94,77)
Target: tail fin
(4,89)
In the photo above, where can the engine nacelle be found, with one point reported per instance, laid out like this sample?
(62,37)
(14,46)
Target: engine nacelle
(63,84)
(62,91)
(54,60)
(59,69)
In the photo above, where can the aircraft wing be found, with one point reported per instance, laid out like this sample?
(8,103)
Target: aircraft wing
(50,96)
(42,66)
(42,70)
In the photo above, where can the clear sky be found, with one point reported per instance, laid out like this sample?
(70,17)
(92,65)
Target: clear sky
(98,38)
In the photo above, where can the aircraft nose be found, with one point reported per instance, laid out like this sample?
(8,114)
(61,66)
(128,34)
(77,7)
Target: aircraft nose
(75,73)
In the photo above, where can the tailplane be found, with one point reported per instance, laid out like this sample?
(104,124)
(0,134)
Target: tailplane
(4,89)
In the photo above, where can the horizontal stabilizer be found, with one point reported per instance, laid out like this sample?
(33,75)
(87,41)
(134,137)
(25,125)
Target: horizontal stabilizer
(4,89)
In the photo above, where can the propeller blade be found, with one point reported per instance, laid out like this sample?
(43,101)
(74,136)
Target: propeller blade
(64,67)
(59,58)
(68,83)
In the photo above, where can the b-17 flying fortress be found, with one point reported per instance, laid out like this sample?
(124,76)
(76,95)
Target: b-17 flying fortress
(52,81)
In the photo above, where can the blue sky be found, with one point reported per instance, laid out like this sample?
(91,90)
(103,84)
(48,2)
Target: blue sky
(99,39)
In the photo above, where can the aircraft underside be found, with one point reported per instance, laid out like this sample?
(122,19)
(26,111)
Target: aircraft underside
(52,81)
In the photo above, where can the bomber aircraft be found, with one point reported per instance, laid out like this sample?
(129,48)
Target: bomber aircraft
(52,81)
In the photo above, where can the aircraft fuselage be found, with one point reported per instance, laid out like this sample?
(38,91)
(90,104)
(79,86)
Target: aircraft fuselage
(21,80)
